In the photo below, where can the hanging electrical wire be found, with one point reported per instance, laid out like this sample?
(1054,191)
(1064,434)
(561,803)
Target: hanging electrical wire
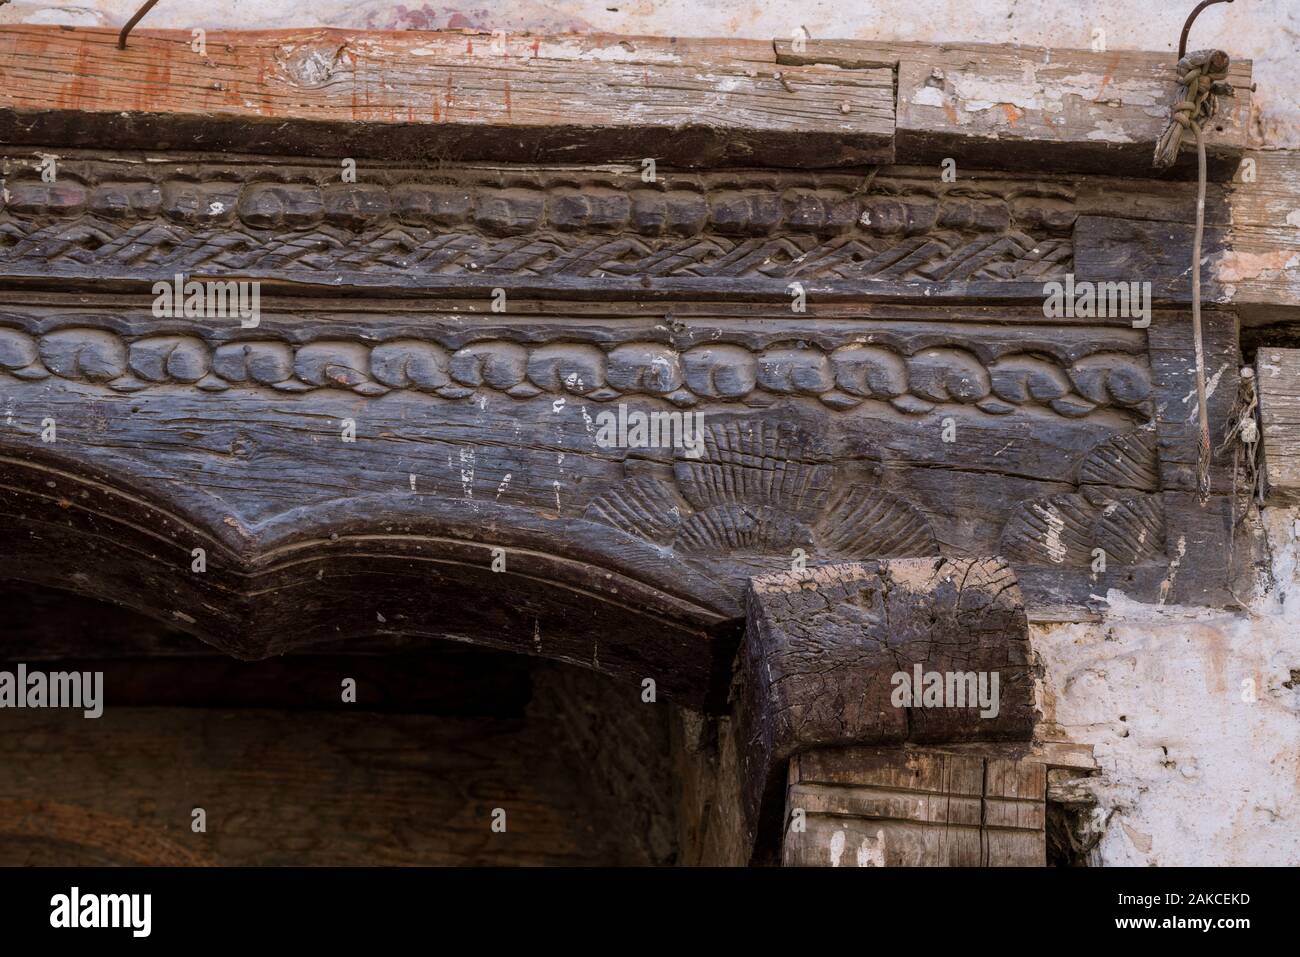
(1202,79)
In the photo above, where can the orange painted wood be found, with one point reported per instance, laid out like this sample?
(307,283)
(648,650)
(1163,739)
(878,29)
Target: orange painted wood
(435,96)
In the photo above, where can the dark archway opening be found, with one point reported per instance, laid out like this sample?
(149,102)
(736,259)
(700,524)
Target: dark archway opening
(440,737)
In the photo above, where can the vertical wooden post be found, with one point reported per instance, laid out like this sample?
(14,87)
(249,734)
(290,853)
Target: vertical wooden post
(826,654)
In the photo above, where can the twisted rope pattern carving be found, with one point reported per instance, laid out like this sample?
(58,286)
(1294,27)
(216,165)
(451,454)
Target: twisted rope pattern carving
(841,378)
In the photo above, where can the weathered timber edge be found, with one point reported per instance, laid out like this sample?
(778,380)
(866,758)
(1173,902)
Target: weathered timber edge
(441,96)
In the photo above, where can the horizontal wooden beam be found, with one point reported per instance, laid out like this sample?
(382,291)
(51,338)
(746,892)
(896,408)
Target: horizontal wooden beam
(599,231)
(1141,231)
(424,96)
(341,93)
(1020,107)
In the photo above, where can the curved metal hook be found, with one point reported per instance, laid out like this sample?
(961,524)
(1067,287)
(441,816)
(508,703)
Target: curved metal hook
(1187,27)
(149,4)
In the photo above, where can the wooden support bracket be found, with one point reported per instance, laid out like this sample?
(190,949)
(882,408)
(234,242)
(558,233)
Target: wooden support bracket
(829,651)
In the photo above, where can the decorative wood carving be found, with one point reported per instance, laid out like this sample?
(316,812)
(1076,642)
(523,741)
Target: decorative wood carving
(898,373)
(477,431)
(406,442)
(597,232)
(576,228)
(822,646)
(823,431)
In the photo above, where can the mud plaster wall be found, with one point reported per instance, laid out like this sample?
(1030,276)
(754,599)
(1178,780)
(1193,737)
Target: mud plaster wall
(1266,31)
(1192,773)
(1194,716)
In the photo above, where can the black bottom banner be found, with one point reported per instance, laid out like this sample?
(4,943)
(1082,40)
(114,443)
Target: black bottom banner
(362,905)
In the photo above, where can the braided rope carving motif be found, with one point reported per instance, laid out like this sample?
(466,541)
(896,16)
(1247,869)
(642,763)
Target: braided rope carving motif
(841,378)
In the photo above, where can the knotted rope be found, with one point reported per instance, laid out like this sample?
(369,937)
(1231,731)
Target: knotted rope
(1202,79)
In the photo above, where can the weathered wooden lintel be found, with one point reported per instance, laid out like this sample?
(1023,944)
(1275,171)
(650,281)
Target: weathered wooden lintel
(1034,108)
(694,103)
(432,97)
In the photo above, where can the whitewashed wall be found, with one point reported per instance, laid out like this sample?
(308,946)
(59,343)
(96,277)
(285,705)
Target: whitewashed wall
(1194,716)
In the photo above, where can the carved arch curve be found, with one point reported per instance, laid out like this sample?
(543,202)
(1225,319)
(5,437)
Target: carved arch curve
(363,565)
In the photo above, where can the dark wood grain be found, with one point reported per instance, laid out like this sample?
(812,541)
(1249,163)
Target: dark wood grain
(822,647)
(915,807)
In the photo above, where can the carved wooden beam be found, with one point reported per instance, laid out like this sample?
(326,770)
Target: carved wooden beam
(591,232)
(897,425)
(921,403)
(863,654)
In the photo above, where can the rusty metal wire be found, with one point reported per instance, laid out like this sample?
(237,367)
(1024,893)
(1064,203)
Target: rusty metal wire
(139,15)
(1187,27)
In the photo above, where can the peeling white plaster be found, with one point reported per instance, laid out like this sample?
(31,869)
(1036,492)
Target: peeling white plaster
(928,96)
(1192,770)
(837,848)
(1110,131)
(872,853)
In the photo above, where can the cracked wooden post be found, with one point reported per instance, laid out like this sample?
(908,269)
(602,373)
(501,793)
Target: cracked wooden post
(828,655)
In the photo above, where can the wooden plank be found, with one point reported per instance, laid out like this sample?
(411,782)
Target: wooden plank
(1278,373)
(1174,388)
(348,94)
(1114,249)
(1206,565)
(1021,107)
(915,807)
(719,101)
(1260,271)
(1066,755)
